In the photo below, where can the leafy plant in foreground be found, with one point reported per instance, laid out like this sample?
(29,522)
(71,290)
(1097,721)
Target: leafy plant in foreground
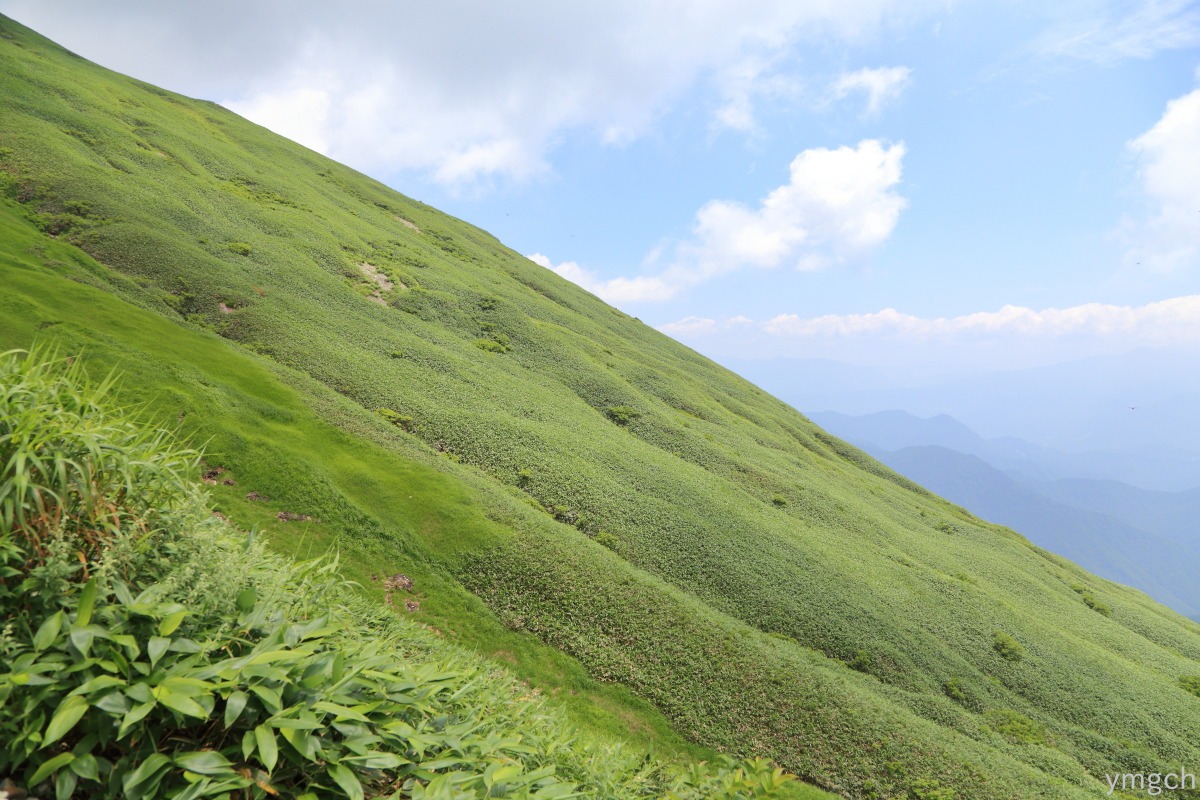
(149,653)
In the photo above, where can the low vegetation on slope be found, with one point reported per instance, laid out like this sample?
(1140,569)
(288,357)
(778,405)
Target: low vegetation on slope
(474,421)
(152,650)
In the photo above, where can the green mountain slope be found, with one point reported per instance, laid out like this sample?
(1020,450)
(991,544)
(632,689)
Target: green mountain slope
(599,488)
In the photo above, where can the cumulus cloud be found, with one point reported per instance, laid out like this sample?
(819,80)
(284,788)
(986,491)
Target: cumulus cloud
(1167,239)
(1150,27)
(1167,322)
(614,290)
(464,92)
(880,85)
(836,205)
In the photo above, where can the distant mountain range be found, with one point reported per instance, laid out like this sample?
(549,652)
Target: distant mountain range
(1128,417)
(1143,538)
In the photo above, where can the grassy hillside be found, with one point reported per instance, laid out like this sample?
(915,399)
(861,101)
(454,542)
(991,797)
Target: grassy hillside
(720,568)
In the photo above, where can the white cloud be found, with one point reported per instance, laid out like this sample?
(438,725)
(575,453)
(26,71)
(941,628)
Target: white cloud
(748,82)
(1167,322)
(464,92)
(300,114)
(836,205)
(615,290)
(1167,239)
(690,326)
(881,85)
(1151,27)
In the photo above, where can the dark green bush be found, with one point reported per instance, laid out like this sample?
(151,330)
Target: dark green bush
(861,661)
(396,418)
(1092,602)
(622,415)
(1015,727)
(492,346)
(608,540)
(1007,646)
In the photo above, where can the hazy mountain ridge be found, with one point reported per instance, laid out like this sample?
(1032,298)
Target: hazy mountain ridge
(1161,566)
(1126,418)
(1144,538)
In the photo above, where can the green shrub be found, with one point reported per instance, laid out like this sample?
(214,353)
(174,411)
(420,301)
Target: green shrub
(396,418)
(779,501)
(861,661)
(492,346)
(929,789)
(1091,601)
(1015,727)
(608,540)
(240,248)
(953,689)
(622,415)
(1191,683)
(1007,646)
(67,472)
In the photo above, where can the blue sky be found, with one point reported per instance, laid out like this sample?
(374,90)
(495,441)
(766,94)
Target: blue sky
(869,181)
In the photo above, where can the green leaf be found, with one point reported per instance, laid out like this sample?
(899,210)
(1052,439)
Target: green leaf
(340,712)
(85,766)
(272,656)
(141,692)
(113,703)
(142,781)
(156,647)
(99,683)
(234,706)
(87,603)
(245,600)
(248,745)
(171,623)
(180,645)
(188,687)
(344,777)
(48,768)
(307,722)
(69,712)
(47,632)
(303,743)
(377,760)
(134,717)
(500,773)
(268,748)
(204,762)
(64,785)
(82,639)
(177,702)
(269,697)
